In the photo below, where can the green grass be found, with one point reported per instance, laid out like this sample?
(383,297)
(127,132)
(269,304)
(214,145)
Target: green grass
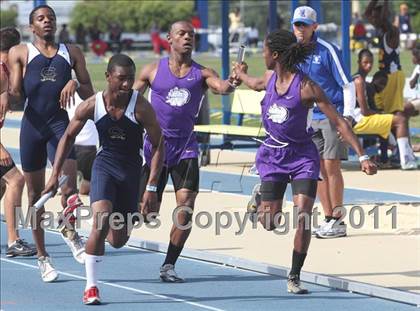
(256,68)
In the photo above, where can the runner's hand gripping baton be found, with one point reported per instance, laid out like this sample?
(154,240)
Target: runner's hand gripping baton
(40,203)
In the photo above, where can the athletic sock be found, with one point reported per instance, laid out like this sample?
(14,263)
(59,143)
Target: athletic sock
(297,262)
(406,153)
(91,266)
(328,218)
(172,254)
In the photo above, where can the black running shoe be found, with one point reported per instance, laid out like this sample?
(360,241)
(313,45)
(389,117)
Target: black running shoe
(20,248)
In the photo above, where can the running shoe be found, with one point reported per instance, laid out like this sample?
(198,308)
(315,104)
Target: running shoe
(321,225)
(294,285)
(48,273)
(70,235)
(91,296)
(73,203)
(333,229)
(409,165)
(254,202)
(20,248)
(168,274)
(75,243)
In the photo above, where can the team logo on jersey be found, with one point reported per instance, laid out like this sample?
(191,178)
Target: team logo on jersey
(48,74)
(117,133)
(178,97)
(316,59)
(277,114)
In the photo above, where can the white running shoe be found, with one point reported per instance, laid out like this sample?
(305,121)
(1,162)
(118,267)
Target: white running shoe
(333,229)
(323,223)
(294,285)
(70,236)
(409,165)
(168,274)
(253,170)
(48,273)
(75,243)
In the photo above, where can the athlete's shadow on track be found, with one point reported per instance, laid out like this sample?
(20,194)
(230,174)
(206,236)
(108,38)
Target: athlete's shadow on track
(201,279)
(238,298)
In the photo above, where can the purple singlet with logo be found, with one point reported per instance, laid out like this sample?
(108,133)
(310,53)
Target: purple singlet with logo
(288,151)
(176,102)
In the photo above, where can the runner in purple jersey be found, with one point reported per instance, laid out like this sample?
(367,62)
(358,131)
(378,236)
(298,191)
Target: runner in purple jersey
(288,153)
(177,87)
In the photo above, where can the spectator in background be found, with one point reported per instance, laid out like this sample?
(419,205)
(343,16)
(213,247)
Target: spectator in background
(413,106)
(235,20)
(196,22)
(98,46)
(403,20)
(368,121)
(391,99)
(157,42)
(115,32)
(358,32)
(252,36)
(64,35)
(279,22)
(94,32)
(81,36)
(403,23)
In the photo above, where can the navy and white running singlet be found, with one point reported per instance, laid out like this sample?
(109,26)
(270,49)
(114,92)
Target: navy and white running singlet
(43,122)
(117,167)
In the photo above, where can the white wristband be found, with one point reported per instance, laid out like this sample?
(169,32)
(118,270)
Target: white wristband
(77,84)
(364,158)
(232,85)
(151,188)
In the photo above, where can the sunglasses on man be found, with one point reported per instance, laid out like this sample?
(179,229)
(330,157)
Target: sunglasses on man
(300,24)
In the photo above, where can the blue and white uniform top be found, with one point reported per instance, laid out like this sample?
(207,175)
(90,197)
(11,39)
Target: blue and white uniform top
(326,67)
(120,139)
(43,81)
(389,58)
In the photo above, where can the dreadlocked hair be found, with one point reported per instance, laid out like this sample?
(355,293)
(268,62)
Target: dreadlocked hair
(291,52)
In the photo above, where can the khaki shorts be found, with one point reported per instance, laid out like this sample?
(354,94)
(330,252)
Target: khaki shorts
(325,137)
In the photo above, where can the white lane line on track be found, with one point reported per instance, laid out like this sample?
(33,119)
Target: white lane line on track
(199,305)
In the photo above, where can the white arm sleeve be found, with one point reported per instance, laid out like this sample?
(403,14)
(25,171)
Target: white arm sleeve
(349,94)
(415,72)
